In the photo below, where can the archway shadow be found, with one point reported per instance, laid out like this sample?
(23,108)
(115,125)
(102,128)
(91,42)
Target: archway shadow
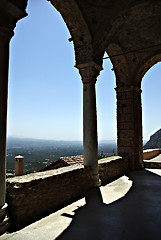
(135,216)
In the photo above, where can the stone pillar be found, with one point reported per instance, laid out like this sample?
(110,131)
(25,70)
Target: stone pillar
(129,125)
(5,36)
(9,15)
(89,73)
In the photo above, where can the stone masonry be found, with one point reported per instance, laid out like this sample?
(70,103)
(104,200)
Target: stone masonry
(35,195)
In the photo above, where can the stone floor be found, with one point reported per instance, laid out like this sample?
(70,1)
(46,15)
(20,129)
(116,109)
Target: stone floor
(128,208)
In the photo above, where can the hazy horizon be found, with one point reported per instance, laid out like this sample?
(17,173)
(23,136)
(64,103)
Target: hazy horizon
(61,140)
(47,139)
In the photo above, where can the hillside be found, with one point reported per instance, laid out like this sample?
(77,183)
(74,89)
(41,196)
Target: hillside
(155,141)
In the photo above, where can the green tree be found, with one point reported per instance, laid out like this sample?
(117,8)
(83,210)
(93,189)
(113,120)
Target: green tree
(114,153)
(101,155)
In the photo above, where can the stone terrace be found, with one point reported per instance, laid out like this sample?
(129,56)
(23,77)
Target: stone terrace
(127,208)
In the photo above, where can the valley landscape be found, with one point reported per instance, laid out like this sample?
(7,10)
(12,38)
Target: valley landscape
(39,153)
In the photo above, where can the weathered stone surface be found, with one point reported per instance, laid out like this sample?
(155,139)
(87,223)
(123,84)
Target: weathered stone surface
(152,158)
(129,125)
(35,195)
(149,164)
(111,167)
(151,153)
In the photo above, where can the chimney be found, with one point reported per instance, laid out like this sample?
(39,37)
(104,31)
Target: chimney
(19,165)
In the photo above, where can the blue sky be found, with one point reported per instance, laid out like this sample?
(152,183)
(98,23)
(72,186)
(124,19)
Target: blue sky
(45,89)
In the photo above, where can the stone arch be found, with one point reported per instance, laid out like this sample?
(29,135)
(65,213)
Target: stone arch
(120,66)
(129,15)
(78,28)
(74,20)
(151,97)
(148,63)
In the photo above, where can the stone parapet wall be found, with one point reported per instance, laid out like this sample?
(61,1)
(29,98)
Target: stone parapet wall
(36,195)
(111,167)
(150,153)
(149,164)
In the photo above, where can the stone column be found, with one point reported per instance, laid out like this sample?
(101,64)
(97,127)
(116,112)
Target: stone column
(129,125)
(5,36)
(89,73)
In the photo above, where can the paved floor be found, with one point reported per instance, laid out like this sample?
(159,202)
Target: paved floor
(128,208)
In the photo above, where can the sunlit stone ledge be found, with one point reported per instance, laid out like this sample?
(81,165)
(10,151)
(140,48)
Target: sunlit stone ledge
(33,196)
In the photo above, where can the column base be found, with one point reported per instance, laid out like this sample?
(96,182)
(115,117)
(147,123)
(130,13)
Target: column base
(96,180)
(4,219)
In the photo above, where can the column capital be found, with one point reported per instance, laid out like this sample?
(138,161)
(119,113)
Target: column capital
(130,88)
(89,71)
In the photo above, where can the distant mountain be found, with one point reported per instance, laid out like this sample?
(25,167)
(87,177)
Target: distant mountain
(155,141)
(13,142)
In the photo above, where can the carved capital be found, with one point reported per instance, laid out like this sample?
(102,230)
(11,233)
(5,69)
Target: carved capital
(89,71)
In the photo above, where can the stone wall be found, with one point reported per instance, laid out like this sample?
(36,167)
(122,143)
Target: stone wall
(148,156)
(111,167)
(149,164)
(35,195)
(150,153)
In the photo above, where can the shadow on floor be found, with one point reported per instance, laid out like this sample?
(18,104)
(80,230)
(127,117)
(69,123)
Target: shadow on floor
(135,216)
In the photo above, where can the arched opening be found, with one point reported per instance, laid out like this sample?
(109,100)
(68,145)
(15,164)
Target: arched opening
(45,92)
(106,108)
(151,99)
